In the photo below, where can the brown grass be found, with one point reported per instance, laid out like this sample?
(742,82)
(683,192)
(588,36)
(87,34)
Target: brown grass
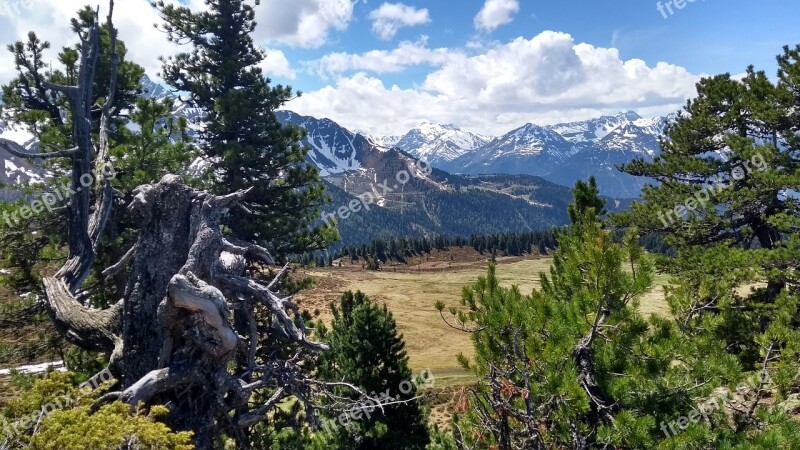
(410,293)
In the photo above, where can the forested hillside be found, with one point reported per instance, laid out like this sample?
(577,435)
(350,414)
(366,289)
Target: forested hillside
(469,206)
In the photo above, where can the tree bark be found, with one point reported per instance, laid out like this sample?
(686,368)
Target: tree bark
(162,247)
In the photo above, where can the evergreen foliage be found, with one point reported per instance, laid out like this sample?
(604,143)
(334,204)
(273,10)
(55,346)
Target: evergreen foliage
(368,351)
(564,365)
(726,201)
(587,201)
(575,365)
(401,248)
(240,136)
(53,413)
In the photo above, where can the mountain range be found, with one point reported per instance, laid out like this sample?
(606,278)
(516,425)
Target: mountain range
(561,153)
(480,184)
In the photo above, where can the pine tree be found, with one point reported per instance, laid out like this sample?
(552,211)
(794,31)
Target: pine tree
(544,361)
(368,351)
(722,207)
(722,204)
(241,136)
(586,195)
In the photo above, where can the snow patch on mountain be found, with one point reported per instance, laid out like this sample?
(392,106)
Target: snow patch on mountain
(382,141)
(593,130)
(18,170)
(530,140)
(333,149)
(439,143)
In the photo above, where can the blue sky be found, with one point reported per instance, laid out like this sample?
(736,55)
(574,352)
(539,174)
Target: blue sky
(485,65)
(707,36)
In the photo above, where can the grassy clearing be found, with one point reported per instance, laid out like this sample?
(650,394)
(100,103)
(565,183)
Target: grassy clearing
(410,295)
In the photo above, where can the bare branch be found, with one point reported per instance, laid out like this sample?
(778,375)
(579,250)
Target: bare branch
(17,150)
(69,91)
(260,414)
(153,383)
(251,251)
(192,294)
(120,265)
(90,329)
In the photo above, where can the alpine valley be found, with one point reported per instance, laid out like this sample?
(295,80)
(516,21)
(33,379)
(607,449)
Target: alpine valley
(478,185)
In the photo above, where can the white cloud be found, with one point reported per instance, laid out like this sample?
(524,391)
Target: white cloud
(496,13)
(390,17)
(277,65)
(50,20)
(301,23)
(305,23)
(545,79)
(382,61)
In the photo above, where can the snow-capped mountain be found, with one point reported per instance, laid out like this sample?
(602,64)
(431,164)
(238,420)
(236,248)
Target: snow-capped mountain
(439,144)
(333,148)
(565,152)
(530,149)
(606,143)
(592,130)
(625,131)
(15,170)
(630,137)
(530,140)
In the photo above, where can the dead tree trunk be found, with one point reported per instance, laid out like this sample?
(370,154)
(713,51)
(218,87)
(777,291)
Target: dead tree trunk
(177,333)
(161,250)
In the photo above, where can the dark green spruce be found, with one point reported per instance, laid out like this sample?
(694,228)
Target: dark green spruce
(247,147)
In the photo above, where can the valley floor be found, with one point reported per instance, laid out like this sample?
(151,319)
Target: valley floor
(410,291)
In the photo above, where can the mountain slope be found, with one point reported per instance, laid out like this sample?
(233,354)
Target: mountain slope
(530,149)
(15,170)
(334,149)
(467,205)
(439,144)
